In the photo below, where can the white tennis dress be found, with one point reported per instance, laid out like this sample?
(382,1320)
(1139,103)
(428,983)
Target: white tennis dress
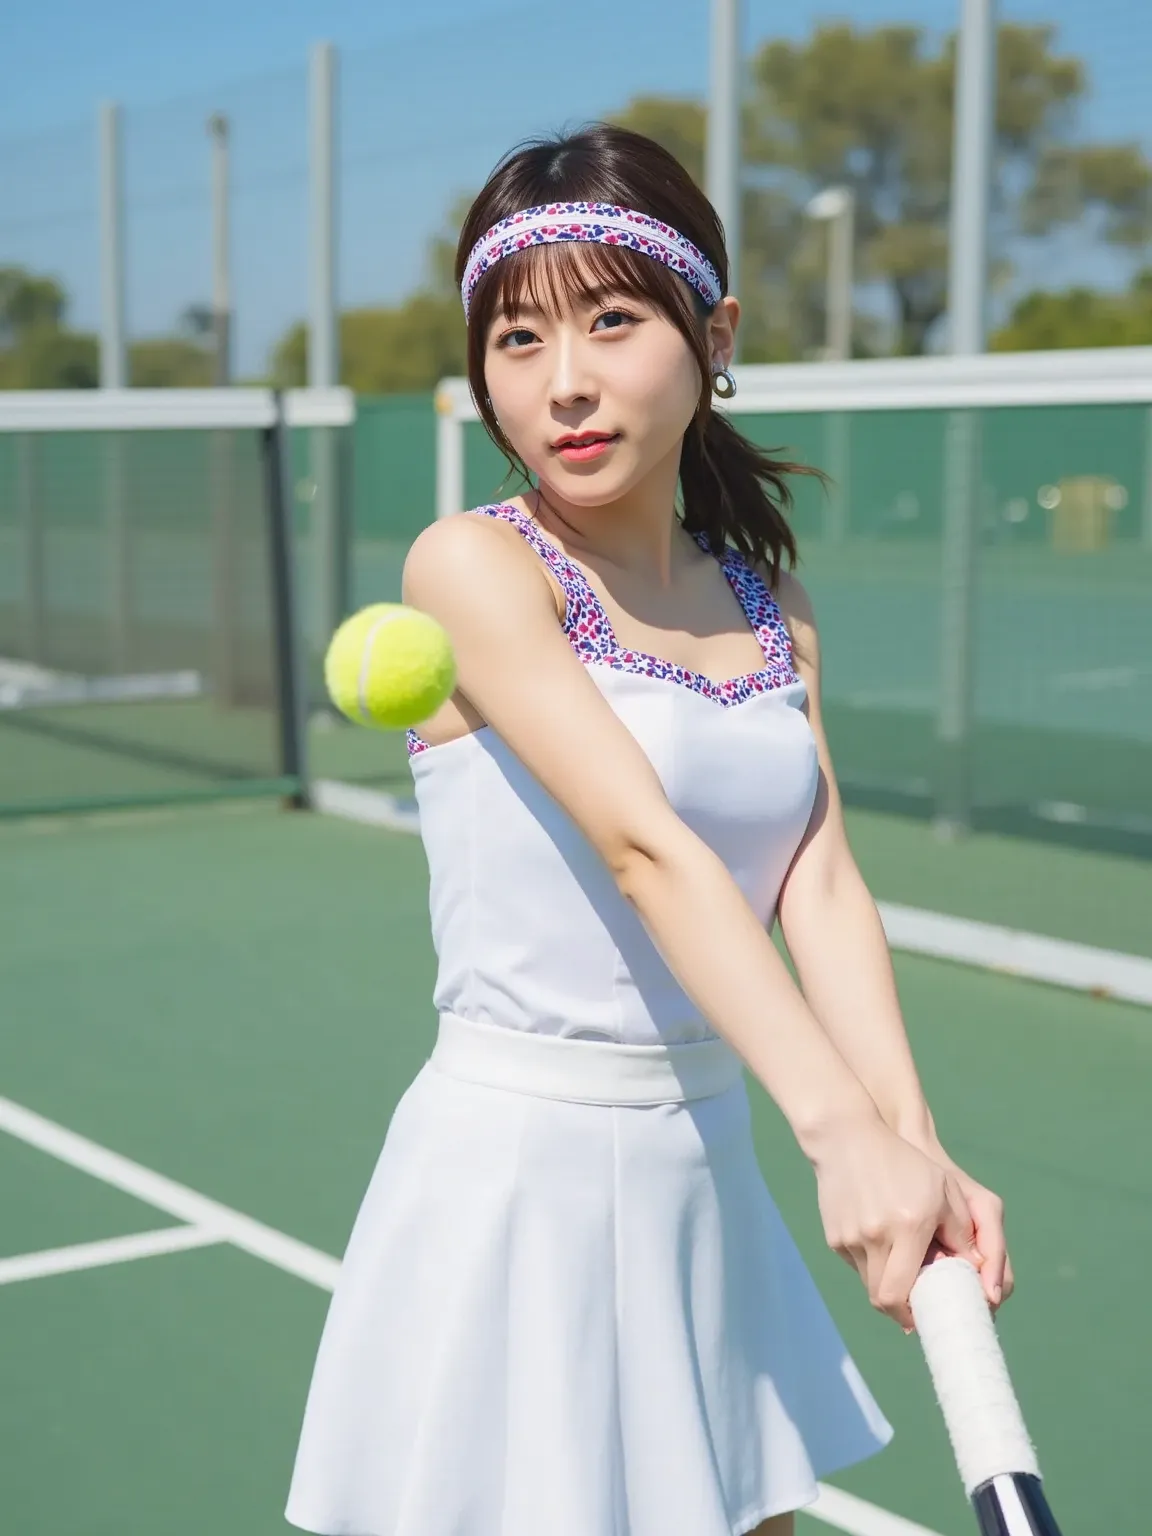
(568,1304)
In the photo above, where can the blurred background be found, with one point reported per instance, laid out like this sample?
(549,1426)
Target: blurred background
(426,99)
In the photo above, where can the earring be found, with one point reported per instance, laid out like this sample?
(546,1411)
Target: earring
(723,382)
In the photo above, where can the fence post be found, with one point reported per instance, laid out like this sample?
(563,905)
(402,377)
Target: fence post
(722,146)
(329,531)
(973,128)
(32,524)
(114,375)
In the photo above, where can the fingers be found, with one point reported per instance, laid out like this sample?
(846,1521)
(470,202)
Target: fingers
(988,1214)
(957,1231)
(898,1275)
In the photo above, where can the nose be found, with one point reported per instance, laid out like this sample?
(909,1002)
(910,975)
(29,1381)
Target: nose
(573,381)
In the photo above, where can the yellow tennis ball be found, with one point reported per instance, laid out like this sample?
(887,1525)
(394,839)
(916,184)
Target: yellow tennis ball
(389,666)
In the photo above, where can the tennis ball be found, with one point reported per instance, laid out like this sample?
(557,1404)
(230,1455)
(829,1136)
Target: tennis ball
(389,666)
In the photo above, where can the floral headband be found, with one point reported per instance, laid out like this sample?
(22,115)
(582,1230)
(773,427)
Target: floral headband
(600,223)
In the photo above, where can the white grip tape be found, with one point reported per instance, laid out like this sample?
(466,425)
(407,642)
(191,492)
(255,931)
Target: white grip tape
(968,1371)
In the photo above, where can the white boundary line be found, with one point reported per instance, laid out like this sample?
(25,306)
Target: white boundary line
(166,1195)
(215,1222)
(1031,956)
(1103,972)
(845,1512)
(110,1250)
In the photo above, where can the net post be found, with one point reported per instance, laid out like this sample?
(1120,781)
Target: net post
(838,458)
(963,479)
(290,688)
(449,456)
(34,627)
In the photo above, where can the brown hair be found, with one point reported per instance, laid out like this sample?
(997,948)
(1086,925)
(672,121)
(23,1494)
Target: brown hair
(730,490)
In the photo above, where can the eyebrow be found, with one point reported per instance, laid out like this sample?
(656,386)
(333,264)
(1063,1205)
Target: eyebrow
(590,298)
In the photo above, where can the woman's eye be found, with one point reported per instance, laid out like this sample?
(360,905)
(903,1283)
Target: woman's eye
(520,337)
(615,319)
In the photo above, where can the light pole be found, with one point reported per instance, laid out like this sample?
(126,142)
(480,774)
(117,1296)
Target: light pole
(722,146)
(836,207)
(221,279)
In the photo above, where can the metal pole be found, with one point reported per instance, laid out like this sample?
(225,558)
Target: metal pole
(291,689)
(218,129)
(323,335)
(113,352)
(114,375)
(449,458)
(226,631)
(973,132)
(722,150)
(841,240)
(330,544)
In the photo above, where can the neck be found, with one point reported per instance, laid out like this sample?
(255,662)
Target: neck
(638,533)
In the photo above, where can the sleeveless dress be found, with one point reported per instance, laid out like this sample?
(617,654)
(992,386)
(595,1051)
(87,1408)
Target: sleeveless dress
(561,1309)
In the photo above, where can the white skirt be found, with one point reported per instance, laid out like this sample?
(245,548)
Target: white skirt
(570,1305)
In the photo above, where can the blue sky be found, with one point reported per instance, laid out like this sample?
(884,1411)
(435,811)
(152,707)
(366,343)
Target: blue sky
(431,95)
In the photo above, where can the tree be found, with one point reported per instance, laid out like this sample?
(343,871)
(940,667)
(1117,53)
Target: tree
(385,351)
(872,109)
(400,349)
(169,362)
(28,303)
(1079,317)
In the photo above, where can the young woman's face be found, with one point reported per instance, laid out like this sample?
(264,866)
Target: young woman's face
(595,398)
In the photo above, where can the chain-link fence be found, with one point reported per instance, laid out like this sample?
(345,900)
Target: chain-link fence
(858,97)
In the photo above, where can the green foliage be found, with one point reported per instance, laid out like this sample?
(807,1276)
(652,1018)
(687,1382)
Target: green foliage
(872,109)
(169,362)
(1079,317)
(401,350)
(28,303)
(38,350)
(46,358)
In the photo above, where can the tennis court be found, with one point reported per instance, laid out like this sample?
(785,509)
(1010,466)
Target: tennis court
(232,998)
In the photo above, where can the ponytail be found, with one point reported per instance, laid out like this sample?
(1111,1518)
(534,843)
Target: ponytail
(734,493)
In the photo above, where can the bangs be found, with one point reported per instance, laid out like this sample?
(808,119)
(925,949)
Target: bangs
(555,278)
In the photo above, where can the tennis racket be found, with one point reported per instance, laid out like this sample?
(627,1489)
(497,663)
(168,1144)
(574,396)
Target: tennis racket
(995,1457)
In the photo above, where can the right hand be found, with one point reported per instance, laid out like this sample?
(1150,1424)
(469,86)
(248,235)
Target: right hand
(884,1205)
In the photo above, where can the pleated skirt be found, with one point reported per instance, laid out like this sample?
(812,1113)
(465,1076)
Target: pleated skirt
(569,1305)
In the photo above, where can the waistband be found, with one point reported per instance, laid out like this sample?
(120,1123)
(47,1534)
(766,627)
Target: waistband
(582,1071)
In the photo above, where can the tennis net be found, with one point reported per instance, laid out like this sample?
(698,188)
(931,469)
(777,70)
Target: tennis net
(148,628)
(981,570)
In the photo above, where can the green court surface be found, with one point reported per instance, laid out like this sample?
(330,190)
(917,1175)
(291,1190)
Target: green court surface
(235,997)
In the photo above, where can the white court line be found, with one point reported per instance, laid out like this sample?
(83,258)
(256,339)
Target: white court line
(842,1511)
(845,1512)
(1032,956)
(1106,972)
(110,1250)
(178,1200)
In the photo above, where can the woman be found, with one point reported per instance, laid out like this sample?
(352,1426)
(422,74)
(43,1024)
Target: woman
(569,1304)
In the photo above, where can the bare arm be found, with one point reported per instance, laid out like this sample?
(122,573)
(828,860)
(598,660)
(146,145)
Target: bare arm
(881,1199)
(832,928)
(517,669)
(838,946)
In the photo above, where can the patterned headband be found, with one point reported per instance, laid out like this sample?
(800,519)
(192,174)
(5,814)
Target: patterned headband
(601,223)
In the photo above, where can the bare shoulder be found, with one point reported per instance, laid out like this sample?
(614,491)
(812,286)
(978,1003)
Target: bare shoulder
(469,553)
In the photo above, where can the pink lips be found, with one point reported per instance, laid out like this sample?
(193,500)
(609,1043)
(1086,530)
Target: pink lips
(579,449)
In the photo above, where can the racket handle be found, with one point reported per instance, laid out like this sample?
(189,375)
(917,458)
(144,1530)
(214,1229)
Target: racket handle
(959,1340)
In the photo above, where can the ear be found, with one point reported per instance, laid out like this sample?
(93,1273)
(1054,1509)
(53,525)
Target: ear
(722,325)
